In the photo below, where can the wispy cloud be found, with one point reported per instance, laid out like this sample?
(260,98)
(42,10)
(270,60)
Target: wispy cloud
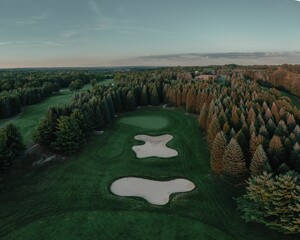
(95,8)
(4,43)
(69,33)
(32,20)
(57,43)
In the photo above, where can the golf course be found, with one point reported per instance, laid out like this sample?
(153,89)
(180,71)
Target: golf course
(71,198)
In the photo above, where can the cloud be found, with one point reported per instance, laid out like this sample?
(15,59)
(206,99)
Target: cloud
(4,43)
(32,20)
(58,43)
(95,8)
(69,33)
(202,59)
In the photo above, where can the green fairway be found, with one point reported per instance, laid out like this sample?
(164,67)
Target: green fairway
(71,199)
(31,115)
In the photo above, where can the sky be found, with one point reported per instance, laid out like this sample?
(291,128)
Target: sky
(63,33)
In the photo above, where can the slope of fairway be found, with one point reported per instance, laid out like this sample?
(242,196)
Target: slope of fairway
(146,122)
(30,116)
(72,200)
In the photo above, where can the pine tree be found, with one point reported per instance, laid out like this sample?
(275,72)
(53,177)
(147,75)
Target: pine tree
(68,135)
(144,96)
(234,165)
(130,102)
(273,201)
(217,152)
(11,145)
(154,98)
(259,162)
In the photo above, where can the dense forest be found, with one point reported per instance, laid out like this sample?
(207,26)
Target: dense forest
(251,133)
(22,88)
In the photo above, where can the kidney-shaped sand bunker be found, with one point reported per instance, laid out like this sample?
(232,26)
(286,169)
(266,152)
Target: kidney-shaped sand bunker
(154,192)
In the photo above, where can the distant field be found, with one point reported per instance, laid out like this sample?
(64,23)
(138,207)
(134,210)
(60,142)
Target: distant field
(31,115)
(72,200)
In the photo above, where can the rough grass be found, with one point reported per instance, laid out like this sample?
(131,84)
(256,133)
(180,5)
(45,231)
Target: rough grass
(71,199)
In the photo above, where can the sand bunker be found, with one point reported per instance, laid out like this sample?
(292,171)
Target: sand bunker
(154,147)
(154,192)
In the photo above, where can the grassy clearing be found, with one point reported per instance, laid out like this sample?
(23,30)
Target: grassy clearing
(295,101)
(71,199)
(31,115)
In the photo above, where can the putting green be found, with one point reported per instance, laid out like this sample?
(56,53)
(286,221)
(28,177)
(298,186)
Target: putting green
(146,122)
(72,199)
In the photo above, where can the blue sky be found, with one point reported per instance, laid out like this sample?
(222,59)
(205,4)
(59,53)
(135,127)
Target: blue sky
(116,32)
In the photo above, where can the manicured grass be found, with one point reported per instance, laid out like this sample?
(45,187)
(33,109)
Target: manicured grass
(29,118)
(151,123)
(71,199)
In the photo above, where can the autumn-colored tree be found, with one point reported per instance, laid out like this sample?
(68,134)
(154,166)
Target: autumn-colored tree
(203,117)
(191,100)
(235,119)
(259,162)
(255,141)
(276,152)
(178,97)
(291,122)
(275,112)
(251,116)
(213,129)
(234,165)
(217,152)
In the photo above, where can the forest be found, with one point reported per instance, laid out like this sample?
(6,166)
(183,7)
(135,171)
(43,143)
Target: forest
(253,135)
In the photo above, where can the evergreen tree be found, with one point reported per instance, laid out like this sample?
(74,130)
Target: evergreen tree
(273,201)
(69,136)
(154,98)
(11,145)
(144,96)
(130,102)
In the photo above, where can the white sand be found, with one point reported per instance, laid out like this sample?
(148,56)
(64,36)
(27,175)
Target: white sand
(43,161)
(154,147)
(154,192)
